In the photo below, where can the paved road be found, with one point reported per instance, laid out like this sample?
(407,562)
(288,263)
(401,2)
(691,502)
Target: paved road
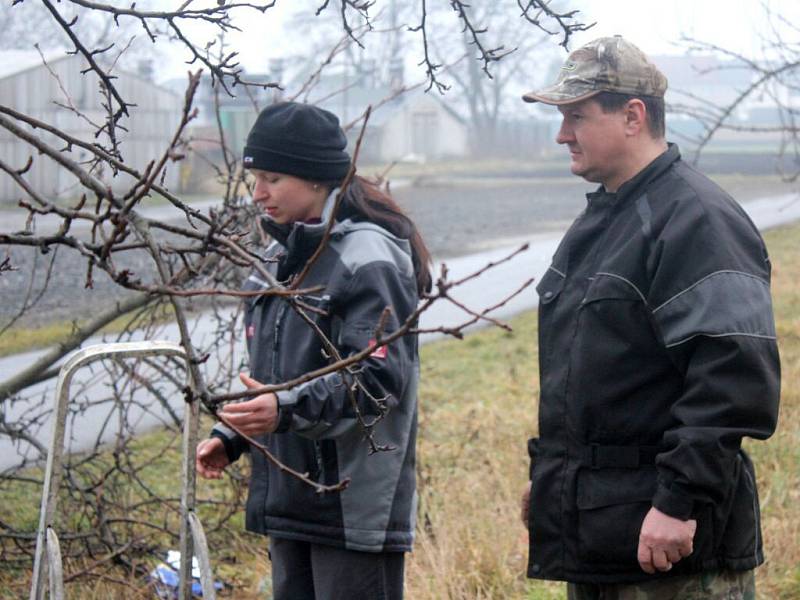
(485,291)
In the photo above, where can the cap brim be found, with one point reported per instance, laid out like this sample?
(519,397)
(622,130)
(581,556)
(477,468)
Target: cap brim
(557,99)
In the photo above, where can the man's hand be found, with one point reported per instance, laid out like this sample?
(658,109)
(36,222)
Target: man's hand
(211,458)
(526,502)
(256,416)
(663,541)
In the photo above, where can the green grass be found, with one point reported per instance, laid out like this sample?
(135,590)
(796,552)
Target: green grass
(23,339)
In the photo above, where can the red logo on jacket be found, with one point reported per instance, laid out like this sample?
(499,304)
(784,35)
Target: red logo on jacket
(378,352)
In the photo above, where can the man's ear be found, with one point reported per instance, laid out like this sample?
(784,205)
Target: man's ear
(635,113)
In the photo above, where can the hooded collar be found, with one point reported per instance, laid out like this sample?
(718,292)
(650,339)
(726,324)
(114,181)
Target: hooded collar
(288,234)
(300,239)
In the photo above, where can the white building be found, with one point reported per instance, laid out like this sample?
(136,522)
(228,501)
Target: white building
(55,93)
(413,125)
(705,84)
(419,126)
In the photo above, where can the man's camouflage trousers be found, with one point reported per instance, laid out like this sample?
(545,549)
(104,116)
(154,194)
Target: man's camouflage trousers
(718,585)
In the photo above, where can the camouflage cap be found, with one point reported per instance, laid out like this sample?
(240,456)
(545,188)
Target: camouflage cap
(609,64)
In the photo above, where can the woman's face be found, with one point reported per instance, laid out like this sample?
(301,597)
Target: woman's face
(287,199)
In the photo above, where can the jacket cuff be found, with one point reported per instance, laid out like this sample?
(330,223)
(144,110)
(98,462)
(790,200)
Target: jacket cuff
(228,436)
(672,503)
(286,402)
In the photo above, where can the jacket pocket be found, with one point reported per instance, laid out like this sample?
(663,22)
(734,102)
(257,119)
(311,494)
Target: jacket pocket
(550,286)
(545,516)
(318,308)
(549,289)
(741,527)
(607,286)
(612,504)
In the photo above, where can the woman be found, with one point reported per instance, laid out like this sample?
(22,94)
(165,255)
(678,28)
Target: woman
(348,544)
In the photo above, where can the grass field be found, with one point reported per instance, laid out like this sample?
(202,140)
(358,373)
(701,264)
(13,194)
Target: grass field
(477,408)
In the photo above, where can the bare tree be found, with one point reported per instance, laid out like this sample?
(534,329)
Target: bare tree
(486,85)
(772,87)
(169,265)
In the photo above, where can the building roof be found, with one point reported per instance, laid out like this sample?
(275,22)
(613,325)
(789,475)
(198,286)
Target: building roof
(17,61)
(13,62)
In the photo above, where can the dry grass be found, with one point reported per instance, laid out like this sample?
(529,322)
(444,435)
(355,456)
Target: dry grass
(477,409)
(778,461)
(478,406)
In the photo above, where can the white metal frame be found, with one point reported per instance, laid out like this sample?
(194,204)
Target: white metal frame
(47,561)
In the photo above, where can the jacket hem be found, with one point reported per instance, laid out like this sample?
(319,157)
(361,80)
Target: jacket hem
(394,541)
(631,577)
(311,539)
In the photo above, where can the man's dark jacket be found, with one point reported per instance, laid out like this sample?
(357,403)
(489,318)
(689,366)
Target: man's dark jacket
(363,270)
(657,355)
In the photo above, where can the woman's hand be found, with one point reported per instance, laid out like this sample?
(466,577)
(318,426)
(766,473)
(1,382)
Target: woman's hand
(211,458)
(253,417)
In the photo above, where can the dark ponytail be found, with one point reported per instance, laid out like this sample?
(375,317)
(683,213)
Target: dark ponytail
(364,200)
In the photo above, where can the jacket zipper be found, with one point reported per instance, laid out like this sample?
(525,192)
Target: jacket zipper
(276,345)
(318,458)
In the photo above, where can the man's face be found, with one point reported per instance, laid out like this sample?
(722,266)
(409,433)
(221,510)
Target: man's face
(596,142)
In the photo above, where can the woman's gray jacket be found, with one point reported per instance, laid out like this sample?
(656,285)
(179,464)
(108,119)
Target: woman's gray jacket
(366,281)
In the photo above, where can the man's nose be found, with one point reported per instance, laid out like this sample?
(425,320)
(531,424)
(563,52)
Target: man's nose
(564,135)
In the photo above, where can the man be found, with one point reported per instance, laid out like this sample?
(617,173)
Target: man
(657,356)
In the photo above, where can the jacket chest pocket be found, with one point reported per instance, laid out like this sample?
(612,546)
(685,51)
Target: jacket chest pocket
(607,287)
(315,308)
(614,309)
(549,289)
(306,328)
(550,286)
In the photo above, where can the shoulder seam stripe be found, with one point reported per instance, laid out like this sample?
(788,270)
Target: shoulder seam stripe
(699,281)
(718,335)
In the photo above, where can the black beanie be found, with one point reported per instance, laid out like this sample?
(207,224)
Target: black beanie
(300,140)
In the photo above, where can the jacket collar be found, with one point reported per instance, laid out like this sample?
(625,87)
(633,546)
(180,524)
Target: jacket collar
(632,187)
(300,240)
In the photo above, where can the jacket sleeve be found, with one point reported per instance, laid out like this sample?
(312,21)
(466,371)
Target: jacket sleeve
(711,304)
(322,407)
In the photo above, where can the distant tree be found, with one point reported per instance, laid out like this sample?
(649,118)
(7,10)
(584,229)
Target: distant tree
(29,25)
(26,25)
(774,75)
(480,55)
(486,85)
